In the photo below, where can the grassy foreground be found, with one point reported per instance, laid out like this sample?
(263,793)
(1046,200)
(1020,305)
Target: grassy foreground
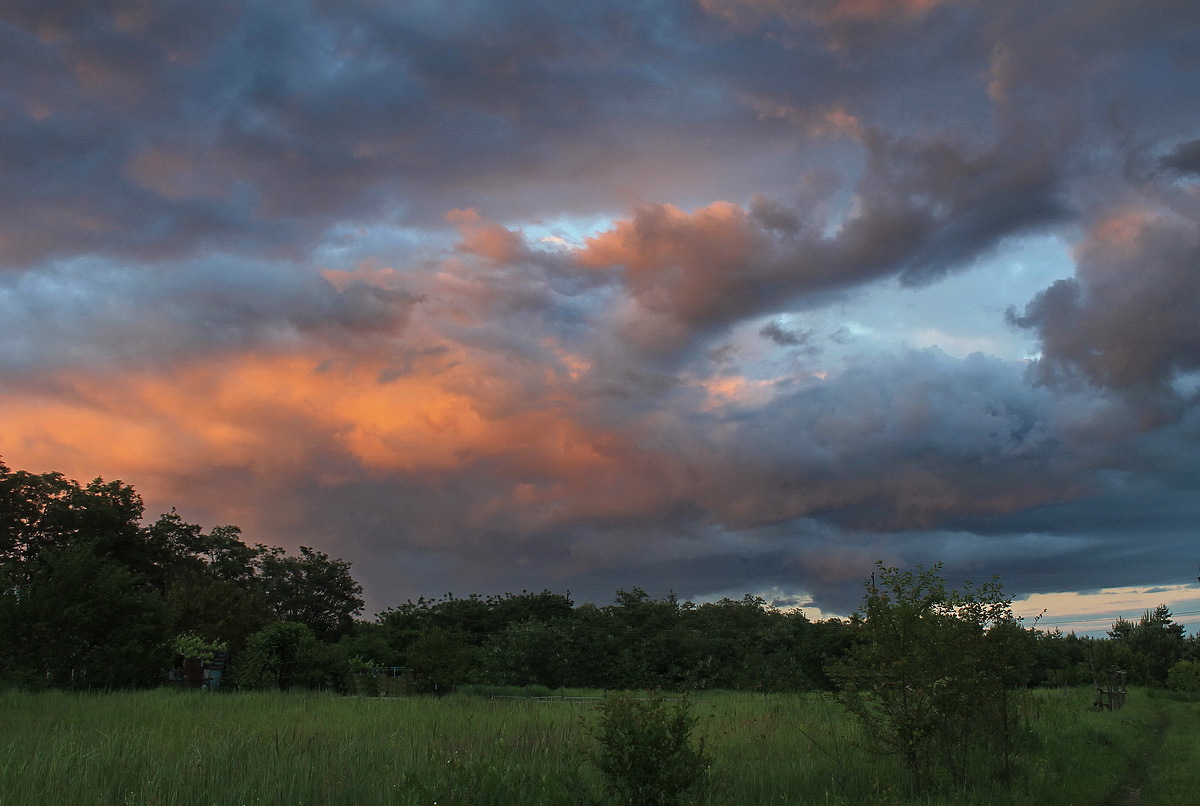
(167,747)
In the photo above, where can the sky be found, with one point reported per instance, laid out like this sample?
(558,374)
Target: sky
(705,296)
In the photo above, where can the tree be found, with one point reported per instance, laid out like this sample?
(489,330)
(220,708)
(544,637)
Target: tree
(75,620)
(369,643)
(216,609)
(286,654)
(533,651)
(442,659)
(90,597)
(649,637)
(1156,639)
(313,589)
(926,677)
(79,605)
(48,511)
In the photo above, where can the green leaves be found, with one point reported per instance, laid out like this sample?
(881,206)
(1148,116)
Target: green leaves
(89,597)
(313,589)
(646,751)
(927,676)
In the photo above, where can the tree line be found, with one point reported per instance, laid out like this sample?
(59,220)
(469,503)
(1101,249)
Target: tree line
(91,597)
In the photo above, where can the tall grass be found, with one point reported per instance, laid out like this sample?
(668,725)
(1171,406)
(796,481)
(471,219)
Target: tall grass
(294,748)
(168,747)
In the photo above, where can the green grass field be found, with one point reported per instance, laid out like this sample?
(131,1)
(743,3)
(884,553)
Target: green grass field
(167,747)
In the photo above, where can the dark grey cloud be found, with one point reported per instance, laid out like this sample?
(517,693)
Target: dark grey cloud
(1184,159)
(185,182)
(923,209)
(180,126)
(268,122)
(917,458)
(91,313)
(784,337)
(1127,319)
(903,442)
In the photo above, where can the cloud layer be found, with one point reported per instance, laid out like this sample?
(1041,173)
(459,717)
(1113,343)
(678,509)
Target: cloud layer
(525,294)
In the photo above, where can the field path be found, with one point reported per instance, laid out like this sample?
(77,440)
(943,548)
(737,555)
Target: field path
(1165,773)
(1129,791)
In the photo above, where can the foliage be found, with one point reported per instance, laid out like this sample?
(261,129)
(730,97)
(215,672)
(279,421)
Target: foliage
(1156,642)
(74,620)
(636,642)
(189,645)
(369,641)
(218,610)
(528,652)
(273,657)
(441,659)
(927,678)
(91,598)
(286,654)
(646,751)
(1184,676)
(312,588)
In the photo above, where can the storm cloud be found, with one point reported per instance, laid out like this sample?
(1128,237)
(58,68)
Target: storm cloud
(711,296)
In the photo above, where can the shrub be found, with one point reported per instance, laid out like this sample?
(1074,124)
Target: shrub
(646,751)
(287,654)
(1184,676)
(927,677)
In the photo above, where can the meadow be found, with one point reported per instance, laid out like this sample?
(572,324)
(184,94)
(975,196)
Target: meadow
(166,747)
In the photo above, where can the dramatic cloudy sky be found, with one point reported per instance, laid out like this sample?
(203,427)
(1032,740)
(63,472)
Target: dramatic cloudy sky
(712,296)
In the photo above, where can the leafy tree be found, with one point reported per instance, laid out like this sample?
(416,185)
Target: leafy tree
(1156,639)
(286,654)
(216,609)
(590,647)
(723,643)
(210,584)
(481,636)
(72,619)
(819,645)
(190,645)
(1103,656)
(477,616)
(90,597)
(1191,647)
(48,511)
(927,676)
(313,589)
(638,641)
(441,658)
(514,608)
(79,602)
(533,651)
(1055,658)
(369,642)
(650,638)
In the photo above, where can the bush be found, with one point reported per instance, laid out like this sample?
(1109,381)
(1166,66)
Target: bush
(287,654)
(1184,676)
(928,675)
(646,751)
